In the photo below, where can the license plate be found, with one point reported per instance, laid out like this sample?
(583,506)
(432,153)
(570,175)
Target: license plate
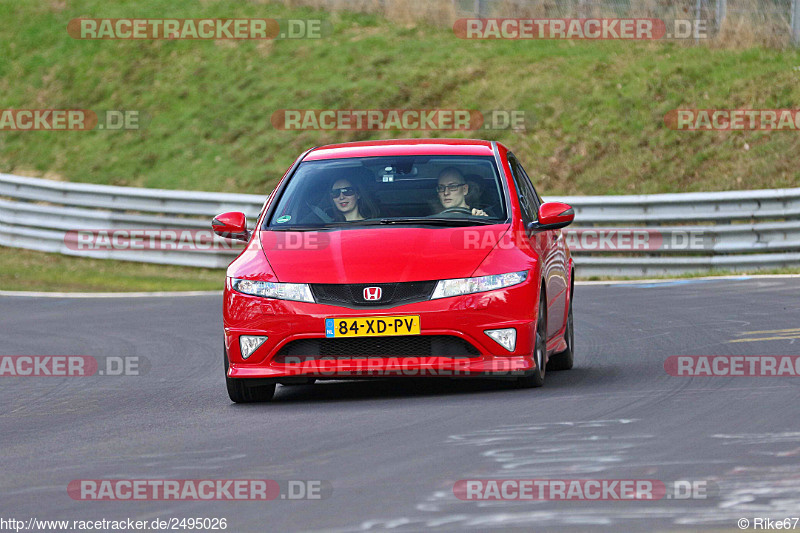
(372,326)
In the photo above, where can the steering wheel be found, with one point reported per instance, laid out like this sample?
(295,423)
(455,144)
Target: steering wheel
(462,210)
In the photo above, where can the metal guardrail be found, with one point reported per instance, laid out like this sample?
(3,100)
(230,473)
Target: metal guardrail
(637,235)
(37,214)
(128,198)
(687,207)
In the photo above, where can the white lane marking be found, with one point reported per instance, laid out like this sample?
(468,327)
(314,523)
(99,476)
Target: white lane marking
(744,490)
(30,294)
(742,277)
(759,438)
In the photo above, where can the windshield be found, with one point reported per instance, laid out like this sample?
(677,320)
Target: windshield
(435,190)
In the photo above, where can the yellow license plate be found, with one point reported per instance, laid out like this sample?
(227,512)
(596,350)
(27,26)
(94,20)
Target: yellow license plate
(374,326)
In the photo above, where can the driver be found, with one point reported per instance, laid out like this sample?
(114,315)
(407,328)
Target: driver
(453,191)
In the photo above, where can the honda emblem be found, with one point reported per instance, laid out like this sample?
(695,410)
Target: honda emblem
(372,294)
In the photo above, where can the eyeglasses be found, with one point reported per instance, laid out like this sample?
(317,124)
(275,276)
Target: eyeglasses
(452,187)
(347,191)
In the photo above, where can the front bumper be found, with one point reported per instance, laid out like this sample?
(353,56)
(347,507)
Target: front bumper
(462,317)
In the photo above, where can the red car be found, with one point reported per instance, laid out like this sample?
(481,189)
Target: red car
(426,257)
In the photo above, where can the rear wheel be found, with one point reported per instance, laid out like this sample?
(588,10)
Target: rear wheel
(536,378)
(564,360)
(240,391)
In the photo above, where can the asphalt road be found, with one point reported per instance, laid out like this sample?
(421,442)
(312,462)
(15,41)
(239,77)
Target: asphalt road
(392,450)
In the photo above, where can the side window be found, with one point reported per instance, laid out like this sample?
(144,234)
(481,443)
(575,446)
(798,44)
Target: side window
(527,201)
(529,184)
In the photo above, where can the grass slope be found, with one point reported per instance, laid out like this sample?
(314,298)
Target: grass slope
(596,108)
(27,270)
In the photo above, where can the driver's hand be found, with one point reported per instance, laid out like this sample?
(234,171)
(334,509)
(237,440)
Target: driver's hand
(478,212)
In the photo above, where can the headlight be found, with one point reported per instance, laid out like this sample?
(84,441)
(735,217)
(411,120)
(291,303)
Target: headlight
(456,287)
(299,292)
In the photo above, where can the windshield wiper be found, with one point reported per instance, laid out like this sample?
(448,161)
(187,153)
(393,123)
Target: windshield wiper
(441,221)
(329,225)
(431,221)
(302,228)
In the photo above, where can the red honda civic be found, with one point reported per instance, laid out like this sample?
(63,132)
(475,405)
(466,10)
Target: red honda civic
(425,257)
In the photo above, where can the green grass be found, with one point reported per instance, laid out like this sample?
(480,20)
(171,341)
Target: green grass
(26,270)
(595,109)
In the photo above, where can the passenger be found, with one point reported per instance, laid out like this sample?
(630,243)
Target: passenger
(453,190)
(350,202)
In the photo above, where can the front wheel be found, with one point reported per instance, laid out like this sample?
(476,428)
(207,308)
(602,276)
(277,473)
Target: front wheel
(536,378)
(239,391)
(565,359)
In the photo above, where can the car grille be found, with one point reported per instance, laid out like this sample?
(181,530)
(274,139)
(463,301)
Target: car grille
(369,347)
(352,296)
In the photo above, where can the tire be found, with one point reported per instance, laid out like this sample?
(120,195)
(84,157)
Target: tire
(536,378)
(564,360)
(240,392)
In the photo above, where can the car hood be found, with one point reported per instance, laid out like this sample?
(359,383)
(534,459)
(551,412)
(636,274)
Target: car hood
(378,255)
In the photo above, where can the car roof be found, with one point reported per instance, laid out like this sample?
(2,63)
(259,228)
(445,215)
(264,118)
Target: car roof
(400,147)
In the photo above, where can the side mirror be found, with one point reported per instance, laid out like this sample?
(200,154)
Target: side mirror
(231,226)
(553,215)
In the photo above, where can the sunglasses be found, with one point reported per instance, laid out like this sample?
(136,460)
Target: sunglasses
(451,187)
(347,191)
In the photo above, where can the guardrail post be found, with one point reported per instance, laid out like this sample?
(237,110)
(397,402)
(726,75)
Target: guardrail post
(481,8)
(697,7)
(722,11)
(795,22)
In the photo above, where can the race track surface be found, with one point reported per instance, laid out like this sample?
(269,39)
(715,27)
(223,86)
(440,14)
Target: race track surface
(392,450)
